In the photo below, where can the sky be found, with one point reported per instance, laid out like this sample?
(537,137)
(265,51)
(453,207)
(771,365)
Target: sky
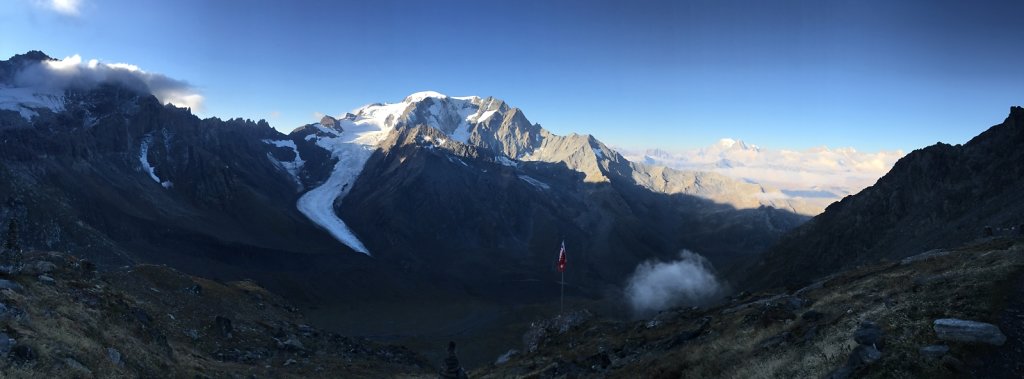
(873,75)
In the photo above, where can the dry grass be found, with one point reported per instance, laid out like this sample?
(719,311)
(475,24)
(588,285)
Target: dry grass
(146,312)
(903,300)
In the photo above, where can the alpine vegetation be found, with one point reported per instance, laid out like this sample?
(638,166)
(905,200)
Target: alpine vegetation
(689,281)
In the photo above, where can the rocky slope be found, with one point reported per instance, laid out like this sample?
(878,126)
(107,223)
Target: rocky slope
(60,318)
(938,196)
(879,321)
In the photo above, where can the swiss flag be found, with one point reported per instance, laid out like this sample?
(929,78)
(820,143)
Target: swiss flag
(561,258)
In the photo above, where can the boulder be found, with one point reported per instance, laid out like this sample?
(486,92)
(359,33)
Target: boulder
(6,344)
(292,343)
(23,353)
(78,368)
(869,334)
(863,355)
(951,329)
(955,365)
(812,316)
(38,268)
(933,351)
(7,284)
(115,357)
(10,269)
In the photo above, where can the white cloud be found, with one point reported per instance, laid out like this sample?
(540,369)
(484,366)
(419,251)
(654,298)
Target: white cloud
(72,8)
(689,281)
(840,171)
(72,73)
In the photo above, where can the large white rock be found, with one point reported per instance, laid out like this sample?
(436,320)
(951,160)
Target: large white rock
(951,329)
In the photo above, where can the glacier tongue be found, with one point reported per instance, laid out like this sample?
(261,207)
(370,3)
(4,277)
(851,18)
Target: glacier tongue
(318,203)
(364,128)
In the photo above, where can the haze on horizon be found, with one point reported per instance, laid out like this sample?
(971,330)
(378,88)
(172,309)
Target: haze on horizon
(876,76)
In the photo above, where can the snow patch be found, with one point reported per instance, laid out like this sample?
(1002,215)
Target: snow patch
(27,101)
(146,166)
(503,160)
(485,116)
(536,183)
(294,166)
(598,152)
(420,96)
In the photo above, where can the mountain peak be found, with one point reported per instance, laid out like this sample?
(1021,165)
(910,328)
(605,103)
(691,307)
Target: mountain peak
(31,56)
(734,144)
(422,95)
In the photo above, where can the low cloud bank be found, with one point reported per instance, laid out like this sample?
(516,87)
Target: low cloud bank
(689,281)
(836,171)
(73,73)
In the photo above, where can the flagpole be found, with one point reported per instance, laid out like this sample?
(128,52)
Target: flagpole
(561,301)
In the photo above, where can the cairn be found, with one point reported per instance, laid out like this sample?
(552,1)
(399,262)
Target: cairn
(450,367)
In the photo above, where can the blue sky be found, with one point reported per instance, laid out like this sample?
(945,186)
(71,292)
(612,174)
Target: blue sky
(672,74)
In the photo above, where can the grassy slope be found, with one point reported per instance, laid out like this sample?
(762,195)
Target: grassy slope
(163,328)
(973,282)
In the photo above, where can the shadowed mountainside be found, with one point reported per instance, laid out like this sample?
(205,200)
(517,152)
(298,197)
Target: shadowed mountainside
(938,196)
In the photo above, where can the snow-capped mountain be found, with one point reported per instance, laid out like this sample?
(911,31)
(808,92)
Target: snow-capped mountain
(453,197)
(510,138)
(817,176)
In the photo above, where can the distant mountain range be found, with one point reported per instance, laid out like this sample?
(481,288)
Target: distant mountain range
(813,178)
(451,199)
(936,197)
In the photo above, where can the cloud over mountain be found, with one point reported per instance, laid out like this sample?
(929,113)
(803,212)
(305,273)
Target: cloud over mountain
(72,73)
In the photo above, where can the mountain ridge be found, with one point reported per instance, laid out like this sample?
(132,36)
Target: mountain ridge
(937,196)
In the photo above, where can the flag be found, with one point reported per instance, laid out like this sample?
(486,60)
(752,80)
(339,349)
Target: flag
(561,258)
